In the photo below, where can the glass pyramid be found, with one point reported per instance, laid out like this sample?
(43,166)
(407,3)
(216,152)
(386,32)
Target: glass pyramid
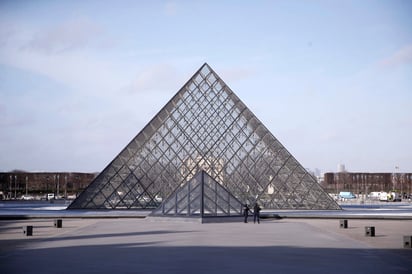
(206,127)
(201,196)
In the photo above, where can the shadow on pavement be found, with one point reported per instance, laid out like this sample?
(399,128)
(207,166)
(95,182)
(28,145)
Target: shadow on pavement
(146,257)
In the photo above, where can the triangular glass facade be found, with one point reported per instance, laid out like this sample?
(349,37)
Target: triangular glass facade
(206,127)
(201,196)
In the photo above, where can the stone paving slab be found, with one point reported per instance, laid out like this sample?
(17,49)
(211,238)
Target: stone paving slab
(142,246)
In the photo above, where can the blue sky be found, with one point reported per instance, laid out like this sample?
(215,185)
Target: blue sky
(332,80)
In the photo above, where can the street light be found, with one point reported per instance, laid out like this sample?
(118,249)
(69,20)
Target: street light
(26,185)
(47,187)
(65,186)
(399,179)
(15,186)
(10,182)
(58,186)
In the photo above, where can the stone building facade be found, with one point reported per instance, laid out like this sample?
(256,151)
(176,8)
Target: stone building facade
(361,183)
(15,184)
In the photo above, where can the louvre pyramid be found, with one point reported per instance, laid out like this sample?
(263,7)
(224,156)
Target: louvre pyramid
(201,196)
(206,127)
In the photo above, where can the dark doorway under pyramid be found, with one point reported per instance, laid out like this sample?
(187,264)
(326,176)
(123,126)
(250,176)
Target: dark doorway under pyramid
(206,127)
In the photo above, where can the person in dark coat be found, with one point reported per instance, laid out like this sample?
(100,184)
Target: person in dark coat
(256,213)
(246,210)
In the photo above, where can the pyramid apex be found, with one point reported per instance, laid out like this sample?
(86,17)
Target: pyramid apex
(205,64)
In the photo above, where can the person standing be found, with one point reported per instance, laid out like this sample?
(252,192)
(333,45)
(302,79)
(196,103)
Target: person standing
(256,213)
(246,210)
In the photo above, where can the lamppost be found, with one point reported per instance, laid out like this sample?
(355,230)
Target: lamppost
(47,187)
(401,176)
(58,186)
(65,186)
(397,177)
(15,186)
(10,182)
(78,185)
(335,178)
(27,186)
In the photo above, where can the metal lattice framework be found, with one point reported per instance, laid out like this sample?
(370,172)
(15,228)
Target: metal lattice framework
(206,127)
(201,196)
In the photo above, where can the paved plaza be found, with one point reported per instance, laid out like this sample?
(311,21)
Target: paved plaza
(138,245)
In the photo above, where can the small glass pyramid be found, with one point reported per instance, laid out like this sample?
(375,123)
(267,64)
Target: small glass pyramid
(201,196)
(206,127)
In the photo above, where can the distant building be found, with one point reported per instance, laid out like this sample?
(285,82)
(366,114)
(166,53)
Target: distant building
(341,168)
(17,183)
(361,183)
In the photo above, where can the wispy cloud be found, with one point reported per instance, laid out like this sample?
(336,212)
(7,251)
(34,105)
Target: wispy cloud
(8,121)
(400,57)
(236,74)
(159,77)
(74,34)
(74,70)
(7,33)
(170,8)
(60,53)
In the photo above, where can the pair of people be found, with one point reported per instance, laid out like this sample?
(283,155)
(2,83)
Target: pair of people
(256,213)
